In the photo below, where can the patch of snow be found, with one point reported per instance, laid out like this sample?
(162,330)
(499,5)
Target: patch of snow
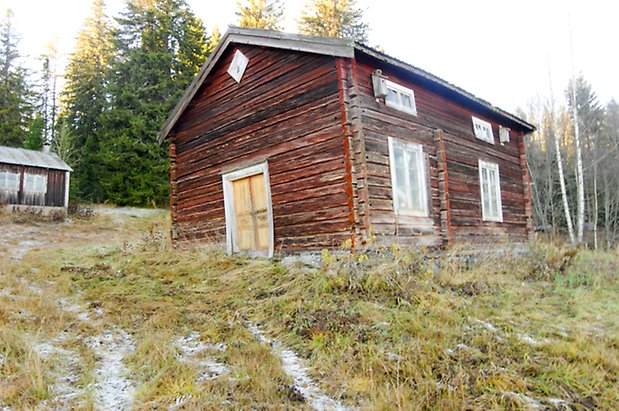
(112,390)
(393,357)
(23,247)
(526,338)
(8,294)
(24,314)
(294,367)
(557,402)
(35,289)
(191,349)
(65,374)
(530,402)
(180,401)
(486,325)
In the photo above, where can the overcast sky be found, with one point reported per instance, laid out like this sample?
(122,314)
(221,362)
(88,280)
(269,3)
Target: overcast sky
(500,51)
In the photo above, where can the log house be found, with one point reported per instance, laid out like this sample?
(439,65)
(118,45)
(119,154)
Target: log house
(286,142)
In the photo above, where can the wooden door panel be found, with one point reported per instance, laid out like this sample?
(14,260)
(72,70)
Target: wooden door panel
(242,208)
(259,204)
(250,209)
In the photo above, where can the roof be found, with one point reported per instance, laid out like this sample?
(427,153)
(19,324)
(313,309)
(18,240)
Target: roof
(319,45)
(32,158)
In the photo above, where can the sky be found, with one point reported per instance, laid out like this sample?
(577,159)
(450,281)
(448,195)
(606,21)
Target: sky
(509,53)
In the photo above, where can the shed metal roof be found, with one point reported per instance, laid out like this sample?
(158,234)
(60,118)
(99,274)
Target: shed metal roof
(32,158)
(320,45)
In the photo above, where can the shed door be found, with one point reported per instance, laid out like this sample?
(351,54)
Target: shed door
(250,209)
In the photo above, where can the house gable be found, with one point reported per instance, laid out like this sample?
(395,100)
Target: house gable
(285,112)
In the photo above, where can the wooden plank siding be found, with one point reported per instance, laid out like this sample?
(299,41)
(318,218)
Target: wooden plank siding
(54,197)
(456,216)
(285,110)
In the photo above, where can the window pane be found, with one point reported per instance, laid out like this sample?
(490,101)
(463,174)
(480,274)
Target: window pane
(13,181)
(406,101)
(484,190)
(392,97)
(413,178)
(400,178)
(494,194)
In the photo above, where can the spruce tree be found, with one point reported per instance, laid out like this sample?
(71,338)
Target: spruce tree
(15,107)
(334,18)
(36,133)
(161,46)
(262,14)
(84,99)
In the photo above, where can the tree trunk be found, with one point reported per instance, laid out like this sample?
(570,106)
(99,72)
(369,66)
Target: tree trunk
(566,205)
(580,183)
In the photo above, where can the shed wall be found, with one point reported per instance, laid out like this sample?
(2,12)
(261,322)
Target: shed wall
(54,197)
(286,110)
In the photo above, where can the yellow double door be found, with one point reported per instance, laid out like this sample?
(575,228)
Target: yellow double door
(250,210)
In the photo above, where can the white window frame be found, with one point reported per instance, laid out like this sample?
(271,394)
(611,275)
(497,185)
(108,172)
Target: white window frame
(4,180)
(487,214)
(238,65)
(416,149)
(35,183)
(231,230)
(504,134)
(483,130)
(400,90)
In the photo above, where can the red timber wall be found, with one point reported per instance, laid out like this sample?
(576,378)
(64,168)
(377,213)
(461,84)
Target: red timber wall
(286,110)
(444,128)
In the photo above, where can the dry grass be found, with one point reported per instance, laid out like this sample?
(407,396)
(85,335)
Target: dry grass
(394,329)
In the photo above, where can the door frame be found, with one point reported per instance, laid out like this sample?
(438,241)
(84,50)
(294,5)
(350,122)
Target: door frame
(229,207)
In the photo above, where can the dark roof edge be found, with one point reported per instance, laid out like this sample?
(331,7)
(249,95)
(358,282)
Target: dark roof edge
(431,77)
(319,45)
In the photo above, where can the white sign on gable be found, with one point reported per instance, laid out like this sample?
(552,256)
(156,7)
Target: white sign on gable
(238,66)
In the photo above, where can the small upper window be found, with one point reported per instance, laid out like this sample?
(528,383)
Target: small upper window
(35,183)
(400,98)
(9,181)
(503,134)
(408,178)
(238,66)
(483,130)
(491,207)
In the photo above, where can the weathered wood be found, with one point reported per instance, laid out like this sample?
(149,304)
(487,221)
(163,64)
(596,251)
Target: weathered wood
(55,192)
(285,110)
(314,120)
(454,175)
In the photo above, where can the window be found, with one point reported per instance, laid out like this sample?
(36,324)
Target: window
(408,178)
(503,134)
(35,183)
(238,66)
(9,181)
(400,98)
(491,208)
(483,130)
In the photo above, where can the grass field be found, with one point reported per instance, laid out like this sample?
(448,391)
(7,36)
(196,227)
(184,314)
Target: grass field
(103,313)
